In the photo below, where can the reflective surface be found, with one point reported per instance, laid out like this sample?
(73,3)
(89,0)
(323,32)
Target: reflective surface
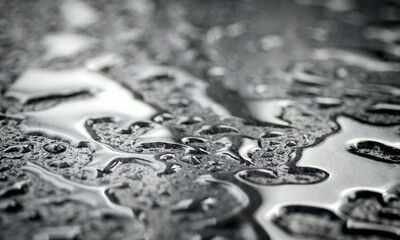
(153,119)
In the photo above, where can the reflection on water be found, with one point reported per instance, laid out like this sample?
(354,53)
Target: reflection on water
(93,195)
(322,173)
(68,119)
(347,172)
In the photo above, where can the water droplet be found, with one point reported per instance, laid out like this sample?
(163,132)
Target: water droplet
(92,195)
(17,151)
(191,160)
(261,89)
(103,62)
(54,148)
(208,203)
(375,150)
(242,198)
(333,5)
(270,42)
(328,102)
(184,120)
(381,88)
(218,129)
(214,34)
(64,45)
(341,72)
(238,150)
(17,188)
(193,140)
(302,73)
(178,102)
(183,205)
(235,29)
(291,143)
(389,108)
(60,232)
(79,14)
(176,168)
(277,177)
(247,147)
(216,72)
(163,117)
(167,157)
(356,58)
(59,164)
(136,127)
(67,119)
(269,111)
(382,33)
(273,134)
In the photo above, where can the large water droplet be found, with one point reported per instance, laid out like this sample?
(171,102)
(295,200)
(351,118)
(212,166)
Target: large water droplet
(376,150)
(389,108)
(277,177)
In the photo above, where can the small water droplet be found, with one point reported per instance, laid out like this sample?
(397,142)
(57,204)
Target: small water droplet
(189,120)
(191,160)
(79,14)
(208,203)
(163,117)
(59,164)
(328,102)
(167,157)
(176,168)
(273,134)
(218,129)
(193,140)
(54,148)
(270,42)
(216,72)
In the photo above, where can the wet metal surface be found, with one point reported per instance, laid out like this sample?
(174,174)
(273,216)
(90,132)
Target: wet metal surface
(247,119)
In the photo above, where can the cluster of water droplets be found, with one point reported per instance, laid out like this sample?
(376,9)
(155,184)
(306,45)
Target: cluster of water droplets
(260,138)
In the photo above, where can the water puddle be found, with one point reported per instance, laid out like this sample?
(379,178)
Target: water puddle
(68,120)
(321,176)
(347,171)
